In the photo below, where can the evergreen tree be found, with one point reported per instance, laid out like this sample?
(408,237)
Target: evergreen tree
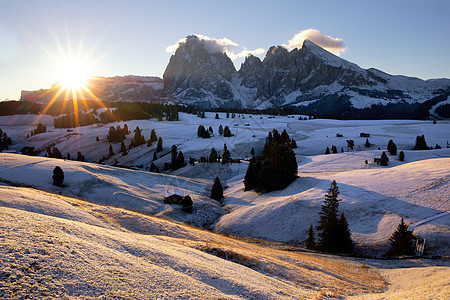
(97,139)
(80,157)
(275,169)
(342,150)
(310,242)
(227,132)
(220,129)
(384,159)
(180,160)
(329,222)
(138,139)
(284,136)
(217,190)
(327,151)
(252,152)
(293,144)
(217,116)
(367,144)
(111,152)
(401,156)
(123,149)
(392,147)
(401,241)
(154,156)
(58,176)
(333,149)
(421,144)
(173,157)
(125,129)
(152,167)
(153,137)
(226,154)
(201,132)
(191,161)
(159,147)
(228,115)
(345,236)
(187,204)
(213,156)
(211,131)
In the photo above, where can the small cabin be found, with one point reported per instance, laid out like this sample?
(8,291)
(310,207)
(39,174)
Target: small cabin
(362,134)
(173,196)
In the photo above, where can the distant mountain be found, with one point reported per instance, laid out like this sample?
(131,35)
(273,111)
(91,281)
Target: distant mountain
(309,79)
(127,88)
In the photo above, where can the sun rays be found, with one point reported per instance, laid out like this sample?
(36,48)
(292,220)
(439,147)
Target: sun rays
(71,68)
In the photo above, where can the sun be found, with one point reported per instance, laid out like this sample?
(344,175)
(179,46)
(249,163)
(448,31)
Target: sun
(72,75)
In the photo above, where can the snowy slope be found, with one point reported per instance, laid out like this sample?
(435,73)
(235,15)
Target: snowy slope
(374,199)
(60,247)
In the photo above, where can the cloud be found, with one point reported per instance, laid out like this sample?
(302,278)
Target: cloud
(212,45)
(334,45)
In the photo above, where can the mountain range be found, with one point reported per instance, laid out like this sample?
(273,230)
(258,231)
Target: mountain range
(308,80)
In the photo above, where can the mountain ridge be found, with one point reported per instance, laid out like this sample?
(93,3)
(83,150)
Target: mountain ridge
(308,80)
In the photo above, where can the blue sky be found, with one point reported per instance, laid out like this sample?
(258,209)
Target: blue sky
(130,37)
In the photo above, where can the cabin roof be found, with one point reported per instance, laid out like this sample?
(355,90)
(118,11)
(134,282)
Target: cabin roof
(173,191)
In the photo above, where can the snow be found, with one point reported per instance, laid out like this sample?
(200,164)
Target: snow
(97,213)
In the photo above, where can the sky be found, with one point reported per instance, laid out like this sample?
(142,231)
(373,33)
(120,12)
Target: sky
(41,40)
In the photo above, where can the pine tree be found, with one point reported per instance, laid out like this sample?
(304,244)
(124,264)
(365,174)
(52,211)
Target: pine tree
(333,149)
(227,132)
(152,167)
(173,158)
(421,144)
(384,159)
(401,156)
(392,147)
(159,147)
(154,156)
(97,139)
(367,144)
(310,242)
(80,157)
(217,116)
(293,144)
(327,151)
(220,129)
(329,222)
(401,241)
(252,152)
(213,156)
(251,178)
(345,236)
(111,152)
(153,137)
(138,139)
(123,149)
(58,176)
(217,190)
(226,154)
(180,160)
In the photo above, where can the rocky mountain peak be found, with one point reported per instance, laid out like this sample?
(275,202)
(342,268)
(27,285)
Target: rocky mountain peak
(251,71)
(199,69)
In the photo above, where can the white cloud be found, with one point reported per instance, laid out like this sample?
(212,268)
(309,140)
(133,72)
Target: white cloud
(334,45)
(212,45)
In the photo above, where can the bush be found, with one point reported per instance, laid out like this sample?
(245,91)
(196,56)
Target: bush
(58,176)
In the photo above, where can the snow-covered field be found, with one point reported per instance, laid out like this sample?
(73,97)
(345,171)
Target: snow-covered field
(374,198)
